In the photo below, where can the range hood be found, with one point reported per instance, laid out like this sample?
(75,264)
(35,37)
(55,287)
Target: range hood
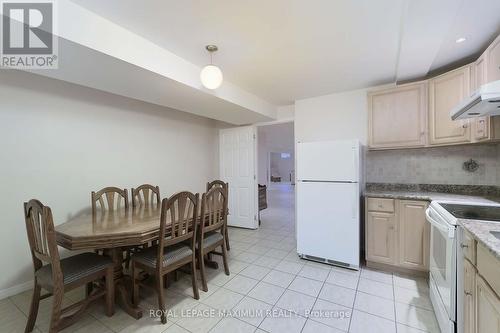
(483,102)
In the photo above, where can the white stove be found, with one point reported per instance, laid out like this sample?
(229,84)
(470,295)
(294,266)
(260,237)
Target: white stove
(445,264)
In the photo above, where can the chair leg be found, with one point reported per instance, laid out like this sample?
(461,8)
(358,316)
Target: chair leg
(135,285)
(196,293)
(161,302)
(110,292)
(35,301)
(226,238)
(224,258)
(55,318)
(201,262)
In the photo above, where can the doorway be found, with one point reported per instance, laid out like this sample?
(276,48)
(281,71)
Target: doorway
(276,175)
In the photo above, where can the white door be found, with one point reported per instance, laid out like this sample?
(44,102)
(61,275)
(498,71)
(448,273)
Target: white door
(237,167)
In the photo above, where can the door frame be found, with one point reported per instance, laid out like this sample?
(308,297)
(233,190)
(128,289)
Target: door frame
(270,123)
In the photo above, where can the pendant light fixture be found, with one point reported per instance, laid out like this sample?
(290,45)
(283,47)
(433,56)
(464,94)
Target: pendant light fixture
(211,75)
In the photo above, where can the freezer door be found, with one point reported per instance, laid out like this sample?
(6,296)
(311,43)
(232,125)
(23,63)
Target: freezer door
(328,221)
(328,161)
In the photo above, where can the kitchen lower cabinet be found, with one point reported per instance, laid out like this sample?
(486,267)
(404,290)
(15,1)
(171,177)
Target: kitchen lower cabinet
(487,314)
(469,278)
(481,287)
(399,238)
(414,235)
(381,237)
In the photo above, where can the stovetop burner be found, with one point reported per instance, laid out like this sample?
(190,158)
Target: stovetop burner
(490,213)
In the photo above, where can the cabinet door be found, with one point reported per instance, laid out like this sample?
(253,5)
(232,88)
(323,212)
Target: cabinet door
(380,237)
(445,92)
(414,235)
(469,291)
(493,60)
(397,116)
(487,308)
(481,125)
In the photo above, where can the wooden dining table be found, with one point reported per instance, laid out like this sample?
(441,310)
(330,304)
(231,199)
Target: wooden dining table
(113,231)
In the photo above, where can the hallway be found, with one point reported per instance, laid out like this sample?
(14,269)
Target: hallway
(280,211)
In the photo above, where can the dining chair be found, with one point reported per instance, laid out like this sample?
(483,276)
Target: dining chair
(212,229)
(146,195)
(58,276)
(110,199)
(176,246)
(225,186)
(115,198)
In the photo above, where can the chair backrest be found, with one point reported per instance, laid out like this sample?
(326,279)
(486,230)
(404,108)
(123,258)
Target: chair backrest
(218,183)
(179,215)
(213,210)
(42,237)
(145,195)
(115,199)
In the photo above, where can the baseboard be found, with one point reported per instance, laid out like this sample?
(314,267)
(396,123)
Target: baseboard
(396,269)
(4,293)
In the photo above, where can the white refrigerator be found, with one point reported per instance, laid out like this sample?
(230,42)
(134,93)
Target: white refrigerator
(328,202)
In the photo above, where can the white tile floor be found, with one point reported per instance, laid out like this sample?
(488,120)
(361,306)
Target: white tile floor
(266,278)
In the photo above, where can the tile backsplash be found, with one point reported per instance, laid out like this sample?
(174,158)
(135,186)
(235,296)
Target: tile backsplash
(439,165)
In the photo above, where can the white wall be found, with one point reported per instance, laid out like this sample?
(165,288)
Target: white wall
(282,167)
(285,112)
(61,141)
(338,116)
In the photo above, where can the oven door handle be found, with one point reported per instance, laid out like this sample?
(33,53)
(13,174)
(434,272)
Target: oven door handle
(438,225)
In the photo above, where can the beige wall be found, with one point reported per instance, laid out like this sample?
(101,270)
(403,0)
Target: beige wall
(61,141)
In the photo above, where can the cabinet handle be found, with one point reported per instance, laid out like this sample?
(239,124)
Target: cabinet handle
(391,227)
(481,121)
(462,245)
(464,126)
(468,293)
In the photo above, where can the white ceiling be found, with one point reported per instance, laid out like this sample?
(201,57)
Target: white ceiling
(284,50)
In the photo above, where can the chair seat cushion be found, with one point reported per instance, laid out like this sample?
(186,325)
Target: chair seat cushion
(211,238)
(74,268)
(171,255)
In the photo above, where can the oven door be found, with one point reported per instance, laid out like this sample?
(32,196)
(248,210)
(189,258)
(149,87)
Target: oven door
(442,263)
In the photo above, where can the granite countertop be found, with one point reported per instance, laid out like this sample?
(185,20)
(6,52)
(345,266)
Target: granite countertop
(429,196)
(480,230)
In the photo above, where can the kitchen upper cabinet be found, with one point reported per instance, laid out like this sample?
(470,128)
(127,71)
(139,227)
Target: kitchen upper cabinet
(446,91)
(381,237)
(397,116)
(414,235)
(469,278)
(492,54)
(480,126)
(487,313)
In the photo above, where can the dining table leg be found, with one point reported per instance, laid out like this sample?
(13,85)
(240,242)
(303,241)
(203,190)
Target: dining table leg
(123,283)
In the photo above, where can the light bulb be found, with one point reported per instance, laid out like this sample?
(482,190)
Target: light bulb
(211,77)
